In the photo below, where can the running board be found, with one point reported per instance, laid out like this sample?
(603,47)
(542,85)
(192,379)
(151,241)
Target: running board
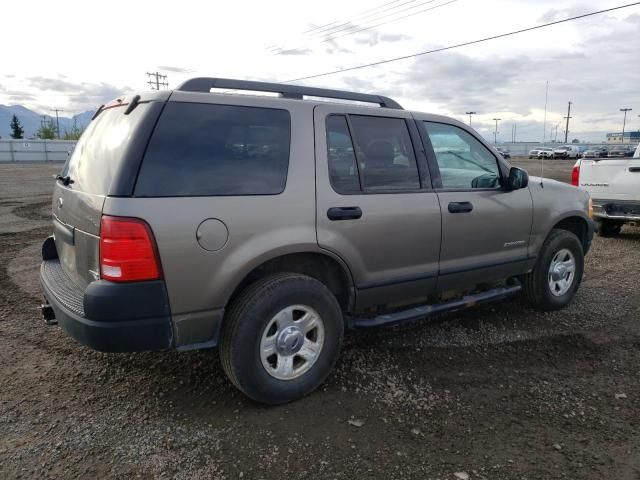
(425,311)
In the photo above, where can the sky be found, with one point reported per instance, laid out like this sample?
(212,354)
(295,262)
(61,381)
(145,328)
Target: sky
(76,55)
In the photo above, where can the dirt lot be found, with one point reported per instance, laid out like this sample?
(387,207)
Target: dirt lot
(498,392)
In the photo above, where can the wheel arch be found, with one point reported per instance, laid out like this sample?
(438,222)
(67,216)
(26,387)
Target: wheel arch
(324,267)
(577,225)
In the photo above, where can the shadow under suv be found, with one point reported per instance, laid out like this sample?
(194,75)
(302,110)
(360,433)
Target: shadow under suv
(268,225)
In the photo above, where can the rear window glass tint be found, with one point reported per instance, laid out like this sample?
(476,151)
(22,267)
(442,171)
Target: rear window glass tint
(385,152)
(343,169)
(202,149)
(100,150)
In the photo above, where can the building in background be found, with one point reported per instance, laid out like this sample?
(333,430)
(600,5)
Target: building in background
(631,138)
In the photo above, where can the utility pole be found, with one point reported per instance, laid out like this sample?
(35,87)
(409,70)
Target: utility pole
(470,113)
(495,132)
(624,122)
(566,130)
(57,121)
(157,80)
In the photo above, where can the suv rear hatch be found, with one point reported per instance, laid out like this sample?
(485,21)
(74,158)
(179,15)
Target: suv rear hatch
(104,162)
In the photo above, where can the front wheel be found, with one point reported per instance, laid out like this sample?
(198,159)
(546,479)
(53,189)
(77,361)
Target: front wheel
(557,274)
(281,338)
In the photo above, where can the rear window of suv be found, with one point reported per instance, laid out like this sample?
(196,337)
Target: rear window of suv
(100,150)
(208,150)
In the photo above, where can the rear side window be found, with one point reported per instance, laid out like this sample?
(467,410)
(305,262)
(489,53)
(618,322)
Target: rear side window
(100,151)
(208,150)
(371,154)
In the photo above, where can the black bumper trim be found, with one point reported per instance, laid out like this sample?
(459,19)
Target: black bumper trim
(129,317)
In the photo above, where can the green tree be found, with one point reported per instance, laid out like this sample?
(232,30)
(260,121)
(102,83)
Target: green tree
(74,133)
(47,130)
(16,128)
(575,140)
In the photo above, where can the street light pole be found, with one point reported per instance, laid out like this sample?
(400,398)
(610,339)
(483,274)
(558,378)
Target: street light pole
(470,113)
(624,122)
(495,133)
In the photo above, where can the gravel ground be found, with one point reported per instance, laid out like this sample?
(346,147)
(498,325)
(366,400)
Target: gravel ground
(496,392)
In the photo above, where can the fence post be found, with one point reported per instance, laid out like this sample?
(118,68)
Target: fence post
(13,157)
(46,152)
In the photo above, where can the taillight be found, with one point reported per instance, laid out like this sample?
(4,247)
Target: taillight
(575,175)
(127,250)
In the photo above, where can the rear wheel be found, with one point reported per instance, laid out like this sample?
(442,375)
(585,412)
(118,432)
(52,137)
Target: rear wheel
(557,274)
(608,228)
(281,338)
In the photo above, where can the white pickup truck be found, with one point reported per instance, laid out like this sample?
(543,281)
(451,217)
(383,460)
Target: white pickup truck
(614,186)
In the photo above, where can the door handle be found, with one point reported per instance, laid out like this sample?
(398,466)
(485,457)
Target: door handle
(634,169)
(344,213)
(460,207)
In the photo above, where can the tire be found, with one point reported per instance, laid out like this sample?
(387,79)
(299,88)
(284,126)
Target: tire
(537,291)
(608,228)
(248,329)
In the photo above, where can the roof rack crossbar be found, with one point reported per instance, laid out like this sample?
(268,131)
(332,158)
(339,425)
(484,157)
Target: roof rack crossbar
(205,84)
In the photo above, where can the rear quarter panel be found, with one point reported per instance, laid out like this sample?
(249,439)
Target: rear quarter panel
(260,227)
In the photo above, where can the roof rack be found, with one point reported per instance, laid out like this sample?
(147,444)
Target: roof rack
(205,84)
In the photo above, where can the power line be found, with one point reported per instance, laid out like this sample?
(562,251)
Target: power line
(335,27)
(331,36)
(464,44)
(392,20)
(352,26)
(363,12)
(348,24)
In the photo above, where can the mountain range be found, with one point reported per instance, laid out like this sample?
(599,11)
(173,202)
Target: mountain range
(31,120)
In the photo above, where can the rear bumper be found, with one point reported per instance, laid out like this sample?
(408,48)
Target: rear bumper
(627,211)
(107,316)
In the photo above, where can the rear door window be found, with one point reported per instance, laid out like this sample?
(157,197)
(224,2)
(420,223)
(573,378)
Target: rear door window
(208,150)
(100,151)
(343,168)
(370,153)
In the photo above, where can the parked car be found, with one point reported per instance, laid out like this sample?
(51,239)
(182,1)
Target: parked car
(534,153)
(566,151)
(504,152)
(546,153)
(602,151)
(268,225)
(590,154)
(614,185)
(581,150)
(621,151)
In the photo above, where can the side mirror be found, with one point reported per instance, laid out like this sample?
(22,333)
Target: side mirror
(518,178)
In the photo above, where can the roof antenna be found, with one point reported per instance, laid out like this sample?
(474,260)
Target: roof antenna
(544,135)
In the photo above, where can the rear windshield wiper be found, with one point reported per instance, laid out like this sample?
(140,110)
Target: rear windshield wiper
(66,180)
